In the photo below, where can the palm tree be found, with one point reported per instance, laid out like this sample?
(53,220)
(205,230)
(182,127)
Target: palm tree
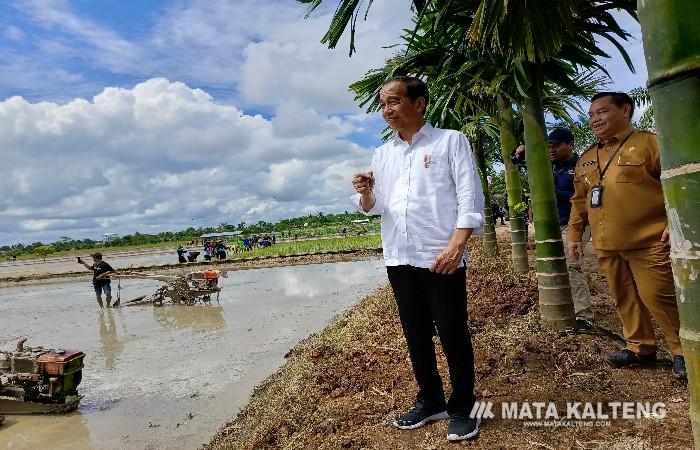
(466,81)
(671,35)
(481,132)
(547,42)
(463,81)
(489,241)
(518,223)
(538,40)
(642,98)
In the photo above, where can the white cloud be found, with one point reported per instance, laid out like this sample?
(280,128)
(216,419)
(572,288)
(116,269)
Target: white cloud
(263,52)
(13,33)
(293,119)
(290,63)
(110,49)
(163,156)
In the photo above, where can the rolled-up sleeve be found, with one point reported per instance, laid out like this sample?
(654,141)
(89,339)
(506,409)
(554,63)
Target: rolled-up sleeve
(470,197)
(378,207)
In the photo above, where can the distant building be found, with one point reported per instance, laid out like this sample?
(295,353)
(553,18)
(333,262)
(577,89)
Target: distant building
(106,237)
(225,236)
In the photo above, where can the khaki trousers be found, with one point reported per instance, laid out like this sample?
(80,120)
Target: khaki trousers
(641,281)
(579,286)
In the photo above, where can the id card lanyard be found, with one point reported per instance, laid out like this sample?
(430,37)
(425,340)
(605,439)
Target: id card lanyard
(597,190)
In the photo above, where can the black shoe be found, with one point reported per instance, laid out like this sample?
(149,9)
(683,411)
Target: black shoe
(627,358)
(584,326)
(417,417)
(462,428)
(679,366)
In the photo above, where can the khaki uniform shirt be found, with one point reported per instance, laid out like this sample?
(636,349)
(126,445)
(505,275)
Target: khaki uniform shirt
(632,214)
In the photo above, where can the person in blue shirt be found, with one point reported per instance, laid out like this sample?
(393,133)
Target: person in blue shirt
(564,159)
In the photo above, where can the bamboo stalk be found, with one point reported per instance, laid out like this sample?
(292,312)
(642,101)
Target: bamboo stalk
(518,227)
(671,35)
(556,304)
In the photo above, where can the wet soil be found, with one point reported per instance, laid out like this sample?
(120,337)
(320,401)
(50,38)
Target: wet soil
(167,378)
(341,388)
(70,269)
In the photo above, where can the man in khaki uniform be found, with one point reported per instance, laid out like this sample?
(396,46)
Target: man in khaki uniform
(618,192)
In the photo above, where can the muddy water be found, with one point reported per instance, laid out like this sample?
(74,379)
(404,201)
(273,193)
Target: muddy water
(164,378)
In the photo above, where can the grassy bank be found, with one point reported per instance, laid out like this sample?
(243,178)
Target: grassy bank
(340,389)
(312,246)
(284,247)
(102,249)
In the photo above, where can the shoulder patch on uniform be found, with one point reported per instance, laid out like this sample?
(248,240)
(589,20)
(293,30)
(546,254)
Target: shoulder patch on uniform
(588,163)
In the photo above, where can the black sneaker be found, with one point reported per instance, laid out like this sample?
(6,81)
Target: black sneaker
(584,326)
(679,366)
(627,358)
(462,428)
(417,417)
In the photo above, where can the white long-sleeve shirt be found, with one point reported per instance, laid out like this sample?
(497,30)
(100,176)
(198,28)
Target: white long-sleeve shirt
(424,191)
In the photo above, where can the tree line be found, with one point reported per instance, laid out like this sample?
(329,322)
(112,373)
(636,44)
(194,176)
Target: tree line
(288,225)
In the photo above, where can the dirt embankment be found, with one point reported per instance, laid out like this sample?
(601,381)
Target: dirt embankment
(340,389)
(258,262)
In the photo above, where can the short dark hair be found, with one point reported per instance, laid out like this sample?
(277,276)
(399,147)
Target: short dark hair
(620,99)
(415,87)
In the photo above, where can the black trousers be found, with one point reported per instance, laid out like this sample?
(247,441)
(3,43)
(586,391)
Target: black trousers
(424,298)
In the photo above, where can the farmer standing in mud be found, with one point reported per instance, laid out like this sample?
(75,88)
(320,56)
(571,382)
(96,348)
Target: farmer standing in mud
(618,192)
(100,280)
(425,186)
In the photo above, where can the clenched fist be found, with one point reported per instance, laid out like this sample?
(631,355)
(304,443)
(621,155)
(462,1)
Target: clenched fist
(363,182)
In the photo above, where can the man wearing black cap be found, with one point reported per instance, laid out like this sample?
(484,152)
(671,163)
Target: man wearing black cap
(564,159)
(100,280)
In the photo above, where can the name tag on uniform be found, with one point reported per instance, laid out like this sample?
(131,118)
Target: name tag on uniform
(426,161)
(596,196)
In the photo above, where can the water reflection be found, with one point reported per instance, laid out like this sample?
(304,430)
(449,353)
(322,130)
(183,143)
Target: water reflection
(134,369)
(313,281)
(34,432)
(112,347)
(196,318)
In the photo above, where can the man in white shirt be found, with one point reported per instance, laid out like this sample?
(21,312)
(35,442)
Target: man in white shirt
(425,185)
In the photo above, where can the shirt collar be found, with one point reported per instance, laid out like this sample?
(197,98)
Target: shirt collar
(619,137)
(426,130)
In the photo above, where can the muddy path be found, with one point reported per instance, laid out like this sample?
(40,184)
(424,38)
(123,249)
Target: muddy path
(167,378)
(341,389)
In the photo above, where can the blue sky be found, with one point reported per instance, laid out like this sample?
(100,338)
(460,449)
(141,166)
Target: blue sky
(118,116)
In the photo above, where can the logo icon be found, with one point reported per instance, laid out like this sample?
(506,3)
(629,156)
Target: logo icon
(482,410)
